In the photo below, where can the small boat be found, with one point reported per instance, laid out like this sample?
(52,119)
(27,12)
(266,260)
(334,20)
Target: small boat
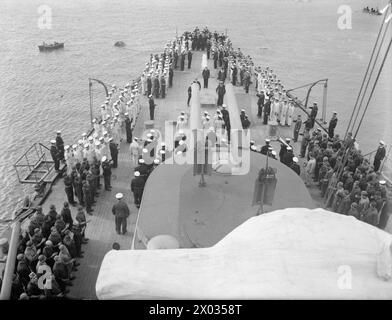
(51,46)
(119,44)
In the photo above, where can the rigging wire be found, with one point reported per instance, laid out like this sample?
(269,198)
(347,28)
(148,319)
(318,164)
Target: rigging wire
(365,76)
(374,86)
(368,80)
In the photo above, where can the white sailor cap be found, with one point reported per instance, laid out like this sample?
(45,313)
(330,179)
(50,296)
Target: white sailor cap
(148,135)
(100,139)
(382,142)
(162,151)
(150,96)
(182,117)
(58,131)
(126,114)
(182,112)
(53,141)
(224,106)
(205,112)
(86,145)
(295,159)
(242,110)
(144,150)
(252,147)
(179,153)
(288,139)
(163,144)
(97,143)
(141,161)
(105,133)
(103,122)
(267,140)
(334,112)
(289,148)
(66,147)
(94,120)
(113,85)
(273,152)
(208,117)
(103,106)
(80,141)
(180,131)
(119,195)
(90,138)
(110,139)
(104,158)
(181,142)
(95,135)
(153,131)
(156,161)
(382,182)
(136,139)
(74,146)
(136,173)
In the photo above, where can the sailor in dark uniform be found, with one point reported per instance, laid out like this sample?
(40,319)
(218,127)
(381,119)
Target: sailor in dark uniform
(295,166)
(283,150)
(264,149)
(288,156)
(137,187)
(171,73)
(107,173)
(69,189)
(60,145)
(226,119)
(156,87)
(87,196)
(267,110)
(206,76)
(332,125)
(380,155)
(142,168)
(189,59)
(182,60)
(163,87)
(260,103)
(215,56)
(220,90)
(113,151)
(234,74)
(175,57)
(54,152)
(152,106)
(149,85)
(128,128)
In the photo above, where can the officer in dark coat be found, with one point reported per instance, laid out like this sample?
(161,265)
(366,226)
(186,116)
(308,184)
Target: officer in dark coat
(189,58)
(175,58)
(54,152)
(332,125)
(128,128)
(149,85)
(113,152)
(156,87)
(380,155)
(267,111)
(260,103)
(152,105)
(234,75)
(220,90)
(137,187)
(69,189)
(60,145)
(121,213)
(107,173)
(163,87)
(206,76)
(171,73)
(189,94)
(264,149)
(182,61)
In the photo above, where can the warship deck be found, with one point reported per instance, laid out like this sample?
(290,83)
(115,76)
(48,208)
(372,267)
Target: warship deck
(101,228)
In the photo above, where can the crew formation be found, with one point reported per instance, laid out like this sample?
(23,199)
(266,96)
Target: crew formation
(349,183)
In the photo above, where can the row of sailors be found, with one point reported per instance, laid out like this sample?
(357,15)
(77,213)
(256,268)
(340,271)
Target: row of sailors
(93,148)
(282,110)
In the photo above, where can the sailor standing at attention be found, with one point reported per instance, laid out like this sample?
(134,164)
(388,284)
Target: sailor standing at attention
(60,145)
(121,213)
(55,155)
(134,149)
(152,105)
(290,113)
(332,125)
(67,158)
(283,114)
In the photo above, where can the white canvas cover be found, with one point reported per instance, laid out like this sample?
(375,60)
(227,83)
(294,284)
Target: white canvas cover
(286,254)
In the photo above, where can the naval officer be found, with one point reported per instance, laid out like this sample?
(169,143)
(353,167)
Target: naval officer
(121,212)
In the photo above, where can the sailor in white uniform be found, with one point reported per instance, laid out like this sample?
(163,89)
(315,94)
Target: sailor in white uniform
(135,150)
(181,124)
(290,112)
(283,114)
(67,158)
(98,150)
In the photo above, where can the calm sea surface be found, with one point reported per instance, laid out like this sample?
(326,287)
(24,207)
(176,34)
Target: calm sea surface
(44,92)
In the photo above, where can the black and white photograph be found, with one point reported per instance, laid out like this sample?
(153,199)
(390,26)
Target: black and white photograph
(217,151)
